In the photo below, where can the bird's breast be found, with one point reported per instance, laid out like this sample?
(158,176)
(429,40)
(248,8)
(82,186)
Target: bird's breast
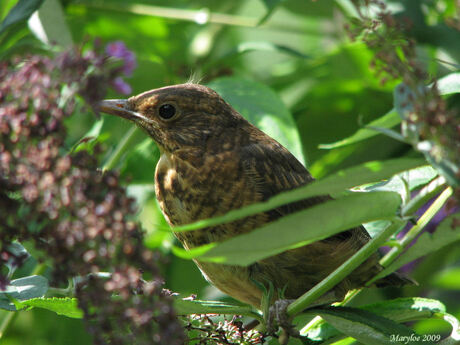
(187,193)
(175,198)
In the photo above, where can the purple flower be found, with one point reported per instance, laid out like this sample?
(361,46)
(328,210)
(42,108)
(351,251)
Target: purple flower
(118,49)
(121,86)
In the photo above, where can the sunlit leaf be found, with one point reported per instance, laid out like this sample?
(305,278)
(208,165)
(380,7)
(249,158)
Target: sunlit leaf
(21,11)
(304,227)
(23,289)
(368,328)
(50,25)
(449,84)
(62,306)
(398,310)
(333,185)
(406,181)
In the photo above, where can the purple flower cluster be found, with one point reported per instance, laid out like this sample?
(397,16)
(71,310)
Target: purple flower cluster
(118,50)
(78,217)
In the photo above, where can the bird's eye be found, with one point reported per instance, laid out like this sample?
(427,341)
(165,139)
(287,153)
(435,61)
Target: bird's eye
(167,111)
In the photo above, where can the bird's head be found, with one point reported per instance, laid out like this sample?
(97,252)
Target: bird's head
(177,116)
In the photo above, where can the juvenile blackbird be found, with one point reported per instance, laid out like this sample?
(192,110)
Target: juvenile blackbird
(213,161)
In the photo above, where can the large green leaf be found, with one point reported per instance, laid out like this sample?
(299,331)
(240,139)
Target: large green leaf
(369,328)
(334,184)
(23,289)
(426,244)
(50,25)
(21,11)
(304,227)
(263,108)
(62,306)
(398,310)
(447,85)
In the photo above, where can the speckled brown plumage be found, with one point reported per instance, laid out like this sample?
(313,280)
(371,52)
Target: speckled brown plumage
(213,161)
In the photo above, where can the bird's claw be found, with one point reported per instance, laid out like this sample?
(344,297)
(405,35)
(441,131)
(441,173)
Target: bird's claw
(278,317)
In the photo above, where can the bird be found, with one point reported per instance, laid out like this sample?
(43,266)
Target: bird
(213,161)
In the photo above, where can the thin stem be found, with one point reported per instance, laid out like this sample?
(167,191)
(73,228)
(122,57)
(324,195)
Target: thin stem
(58,291)
(345,269)
(7,321)
(417,228)
(425,194)
(121,148)
(202,16)
(392,243)
(39,269)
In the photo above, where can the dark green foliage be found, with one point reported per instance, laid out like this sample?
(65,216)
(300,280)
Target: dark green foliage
(378,79)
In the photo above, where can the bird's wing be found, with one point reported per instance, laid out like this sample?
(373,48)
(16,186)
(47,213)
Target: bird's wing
(272,169)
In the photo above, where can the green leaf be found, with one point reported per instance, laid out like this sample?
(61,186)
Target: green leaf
(388,120)
(304,227)
(62,306)
(139,162)
(419,176)
(344,269)
(263,108)
(90,139)
(398,310)
(406,181)
(406,309)
(50,24)
(368,328)
(250,46)
(270,5)
(333,184)
(18,251)
(21,11)
(447,85)
(347,8)
(23,289)
(426,244)
(448,279)
(125,145)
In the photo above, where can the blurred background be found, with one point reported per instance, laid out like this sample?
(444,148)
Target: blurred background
(294,50)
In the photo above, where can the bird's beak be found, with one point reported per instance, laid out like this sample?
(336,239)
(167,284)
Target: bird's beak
(121,108)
